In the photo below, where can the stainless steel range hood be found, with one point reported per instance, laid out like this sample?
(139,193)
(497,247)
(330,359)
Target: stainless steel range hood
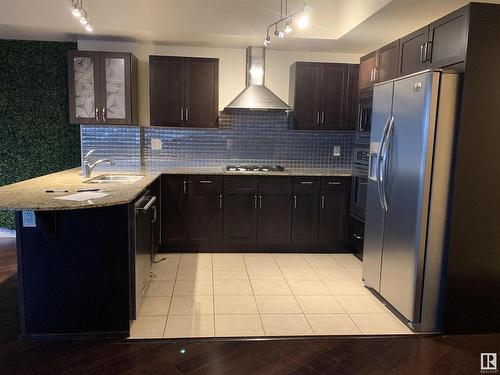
(256,96)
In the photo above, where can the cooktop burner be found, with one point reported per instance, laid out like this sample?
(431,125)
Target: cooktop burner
(254,168)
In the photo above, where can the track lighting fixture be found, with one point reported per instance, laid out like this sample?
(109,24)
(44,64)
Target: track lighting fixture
(284,24)
(78,12)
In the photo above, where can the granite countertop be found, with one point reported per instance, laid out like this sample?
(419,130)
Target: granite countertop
(31,195)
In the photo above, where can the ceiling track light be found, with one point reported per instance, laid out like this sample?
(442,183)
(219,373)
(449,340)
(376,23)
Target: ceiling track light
(283,26)
(78,12)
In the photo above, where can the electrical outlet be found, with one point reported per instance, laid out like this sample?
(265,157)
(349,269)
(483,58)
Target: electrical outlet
(336,151)
(156,144)
(29,219)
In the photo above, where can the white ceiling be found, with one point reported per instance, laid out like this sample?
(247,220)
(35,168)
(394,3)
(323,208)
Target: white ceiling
(354,26)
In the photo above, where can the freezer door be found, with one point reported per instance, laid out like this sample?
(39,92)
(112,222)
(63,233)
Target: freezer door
(374,219)
(407,174)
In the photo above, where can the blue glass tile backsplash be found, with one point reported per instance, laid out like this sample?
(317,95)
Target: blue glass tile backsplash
(242,138)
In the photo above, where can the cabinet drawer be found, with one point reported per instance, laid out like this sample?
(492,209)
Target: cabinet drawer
(279,184)
(309,184)
(205,183)
(241,183)
(328,183)
(356,234)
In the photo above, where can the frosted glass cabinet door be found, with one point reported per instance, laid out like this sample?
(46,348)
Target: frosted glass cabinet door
(83,71)
(115,77)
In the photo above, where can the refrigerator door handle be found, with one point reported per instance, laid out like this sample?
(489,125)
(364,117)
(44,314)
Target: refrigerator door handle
(379,154)
(385,157)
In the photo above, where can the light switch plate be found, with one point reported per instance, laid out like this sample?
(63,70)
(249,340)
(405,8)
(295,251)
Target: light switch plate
(336,151)
(29,219)
(156,144)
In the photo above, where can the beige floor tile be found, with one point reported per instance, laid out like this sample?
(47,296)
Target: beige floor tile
(356,273)
(238,325)
(265,273)
(193,288)
(228,260)
(290,260)
(347,260)
(270,288)
(332,324)
(331,273)
(361,304)
(160,288)
(190,326)
(379,324)
(167,260)
(230,273)
(319,304)
(196,260)
(285,324)
(155,306)
(321,260)
(259,260)
(191,305)
(296,273)
(194,273)
(308,288)
(345,287)
(148,327)
(235,305)
(164,273)
(232,288)
(277,305)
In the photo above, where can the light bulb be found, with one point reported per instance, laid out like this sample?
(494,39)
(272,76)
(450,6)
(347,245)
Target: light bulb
(288,28)
(303,21)
(279,33)
(89,27)
(76,12)
(267,41)
(83,20)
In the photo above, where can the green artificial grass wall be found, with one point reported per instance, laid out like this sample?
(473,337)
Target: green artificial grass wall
(36,137)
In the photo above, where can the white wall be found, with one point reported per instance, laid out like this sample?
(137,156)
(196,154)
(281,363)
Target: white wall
(231,66)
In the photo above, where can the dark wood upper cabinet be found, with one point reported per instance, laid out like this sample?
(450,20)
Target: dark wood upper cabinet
(367,67)
(387,65)
(448,39)
(350,119)
(305,94)
(102,88)
(322,95)
(184,91)
(412,52)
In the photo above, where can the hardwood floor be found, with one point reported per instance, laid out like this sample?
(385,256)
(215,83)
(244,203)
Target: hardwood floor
(368,355)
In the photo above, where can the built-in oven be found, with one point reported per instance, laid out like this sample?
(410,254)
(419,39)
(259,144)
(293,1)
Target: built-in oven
(359,182)
(364,125)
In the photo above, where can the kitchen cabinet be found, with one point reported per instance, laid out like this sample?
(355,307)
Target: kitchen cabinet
(333,210)
(412,52)
(378,66)
(356,236)
(174,216)
(305,210)
(240,210)
(102,88)
(155,191)
(322,95)
(367,66)
(204,209)
(184,91)
(274,217)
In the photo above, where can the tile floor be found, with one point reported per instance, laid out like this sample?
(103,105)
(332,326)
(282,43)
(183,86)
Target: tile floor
(260,294)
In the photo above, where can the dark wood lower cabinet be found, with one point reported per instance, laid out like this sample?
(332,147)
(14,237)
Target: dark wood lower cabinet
(274,217)
(240,217)
(333,211)
(174,216)
(305,218)
(204,217)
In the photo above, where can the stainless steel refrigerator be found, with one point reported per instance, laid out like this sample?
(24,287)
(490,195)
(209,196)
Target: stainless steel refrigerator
(411,154)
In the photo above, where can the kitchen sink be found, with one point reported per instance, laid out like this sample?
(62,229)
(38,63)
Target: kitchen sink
(115,178)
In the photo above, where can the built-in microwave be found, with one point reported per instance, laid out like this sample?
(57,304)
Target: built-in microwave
(364,123)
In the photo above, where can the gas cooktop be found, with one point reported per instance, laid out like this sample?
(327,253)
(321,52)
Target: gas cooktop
(254,168)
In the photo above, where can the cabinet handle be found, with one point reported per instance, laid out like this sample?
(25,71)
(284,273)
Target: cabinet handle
(96,114)
(220,201)
(206,181)
(306,182)
(428,51)
(334,183)
(422,53)
(357,236)
(360,115)
(294,201)
(254,201)
(184,187)
(317,118)
(371,75)
(260,201)
(187,114)
(154,215)
(103,114)
(323,118)
(182,114)
(375,75)
(322,202)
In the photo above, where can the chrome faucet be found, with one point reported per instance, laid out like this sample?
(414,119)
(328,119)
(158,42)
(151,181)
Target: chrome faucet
(89,167)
